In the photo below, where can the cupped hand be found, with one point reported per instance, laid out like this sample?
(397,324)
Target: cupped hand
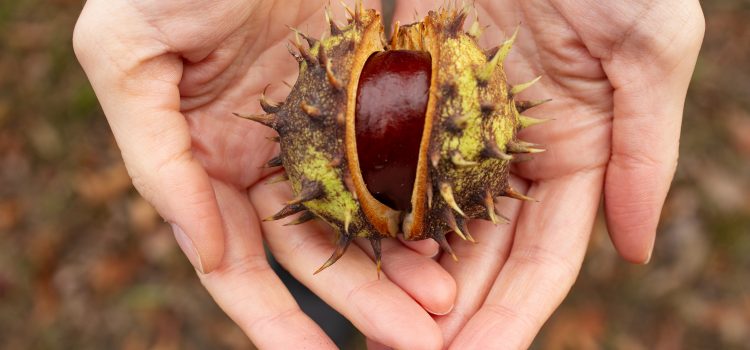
(617,73)
(169,74)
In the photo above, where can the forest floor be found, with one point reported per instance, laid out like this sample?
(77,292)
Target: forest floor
(85,262)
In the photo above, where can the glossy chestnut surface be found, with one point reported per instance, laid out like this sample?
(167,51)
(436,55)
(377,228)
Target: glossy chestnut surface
(390,113)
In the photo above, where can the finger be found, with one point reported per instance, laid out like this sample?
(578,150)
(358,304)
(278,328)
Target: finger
(419,276)
(426,247)
(649,96)
(138,92)
(373,345)
(377,307)
(479,264)
(550,242)
(249,291)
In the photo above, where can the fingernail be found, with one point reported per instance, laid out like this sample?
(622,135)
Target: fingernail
(648,258)
(441,313)
(650,253)
(187,246)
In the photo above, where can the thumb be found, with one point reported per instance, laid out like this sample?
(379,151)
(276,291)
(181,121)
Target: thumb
(136,80)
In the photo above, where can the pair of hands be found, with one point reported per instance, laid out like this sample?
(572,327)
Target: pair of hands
(169,73)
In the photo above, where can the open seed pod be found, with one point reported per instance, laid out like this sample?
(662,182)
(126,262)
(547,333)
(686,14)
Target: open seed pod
(410,136)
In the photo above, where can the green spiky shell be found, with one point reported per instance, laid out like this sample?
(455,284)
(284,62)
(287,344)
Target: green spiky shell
(466,147)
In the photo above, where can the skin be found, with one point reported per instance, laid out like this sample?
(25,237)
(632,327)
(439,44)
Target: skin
(618,73)
(169,73)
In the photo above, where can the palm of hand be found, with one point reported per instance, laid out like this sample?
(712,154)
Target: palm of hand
(231,78)
(510,283)
(168,88)
(518,273)
(550,237)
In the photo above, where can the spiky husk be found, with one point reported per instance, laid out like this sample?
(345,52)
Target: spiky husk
(467,144)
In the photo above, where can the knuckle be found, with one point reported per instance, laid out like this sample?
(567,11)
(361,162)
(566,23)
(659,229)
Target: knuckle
(265,324)
(536,255)
(361,292)
(506,314)
(697,20)
(248,267)
(639,161)
(299,245)
(82,38)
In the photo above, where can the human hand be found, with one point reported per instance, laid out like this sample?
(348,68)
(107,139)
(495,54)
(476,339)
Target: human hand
(617,73)
(168,75)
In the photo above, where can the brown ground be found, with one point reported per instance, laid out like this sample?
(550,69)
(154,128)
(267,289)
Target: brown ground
(86,263)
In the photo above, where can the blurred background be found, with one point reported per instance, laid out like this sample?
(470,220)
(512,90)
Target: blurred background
(85,263)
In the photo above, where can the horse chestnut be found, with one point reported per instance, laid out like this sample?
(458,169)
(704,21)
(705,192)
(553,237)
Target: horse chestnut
(409,137)
(391,104)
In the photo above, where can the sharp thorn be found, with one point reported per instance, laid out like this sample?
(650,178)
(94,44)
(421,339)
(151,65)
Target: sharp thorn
(310,41)
(429,193)
(266,105)
(310,190)
(487,108)
(349,184)
(502,53)
(525,121)
(519,146)
(450,220)
(458,122)
(303,218)
(343,243)
(485,72)
(492,150)
(358,12)
(395,33)
(296,36)
(435,158)
(521,87)
(358,7)
(447,193)
(276,179)
(326,62)
(489,203)
(275,162)
(296,56)
(377,252)
(335,82)
(347,221)
(490,53)
(465,229)
(457,23)
(305,54)
(268,120)
(310,110)
(475,31)
(336,161)
(459,160)
(323,57)
(440,238)
(290,209)
(335,30)
(287,84)
(273,138)
(347,8)
(511,193)
(523,106)
(506,220)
